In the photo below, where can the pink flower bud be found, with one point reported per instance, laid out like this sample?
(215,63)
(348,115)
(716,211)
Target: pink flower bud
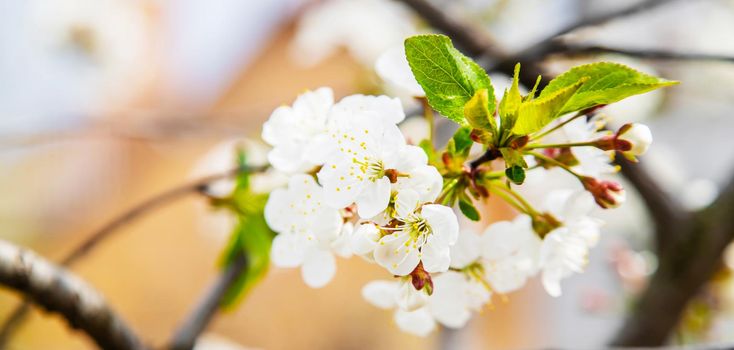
(608,194)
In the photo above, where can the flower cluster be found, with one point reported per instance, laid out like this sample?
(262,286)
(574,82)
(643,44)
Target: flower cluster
(357,187)
(349,164)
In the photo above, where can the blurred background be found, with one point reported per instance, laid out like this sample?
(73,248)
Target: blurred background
(104,103)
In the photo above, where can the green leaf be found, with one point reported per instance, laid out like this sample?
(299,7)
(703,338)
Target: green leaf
(607,83)
(516,174)
(462,141)
(477,113)
(510,103)
(252,238)
(468,209)
(534,115)
(448,78)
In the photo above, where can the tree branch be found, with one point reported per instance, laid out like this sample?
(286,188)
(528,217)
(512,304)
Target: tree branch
(186,335)
(574,50)
(19,314)
(683,270)
(59,291)
(466,37)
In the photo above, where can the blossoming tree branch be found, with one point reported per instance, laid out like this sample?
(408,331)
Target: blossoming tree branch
(357,186)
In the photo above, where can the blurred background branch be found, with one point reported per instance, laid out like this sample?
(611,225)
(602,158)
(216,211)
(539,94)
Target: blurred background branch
(59,291)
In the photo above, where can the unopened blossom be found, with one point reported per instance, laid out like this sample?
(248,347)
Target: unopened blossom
(307,229)
(296,132)
(425,234)
(607,194)
(509,251)
(637,136)
(565,250)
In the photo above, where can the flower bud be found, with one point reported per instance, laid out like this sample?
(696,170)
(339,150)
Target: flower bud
(638,136)
(608,194)
(421,279)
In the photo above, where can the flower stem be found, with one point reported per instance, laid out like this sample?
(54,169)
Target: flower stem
(577,115)
(509,199)
(519,198)
(561,145)
(556,163)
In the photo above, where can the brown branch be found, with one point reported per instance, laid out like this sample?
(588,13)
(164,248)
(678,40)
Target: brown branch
(19,314)
(684,268)
(59,291)
(575,50)
(186,335)
(466,37)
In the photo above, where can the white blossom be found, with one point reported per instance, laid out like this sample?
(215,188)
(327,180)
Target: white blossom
(307,228)
(510,253)
(366,148)
(565,250)
(425,234)
(295,131)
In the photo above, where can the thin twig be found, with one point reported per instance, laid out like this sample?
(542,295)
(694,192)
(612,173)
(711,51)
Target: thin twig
(58,290)
(197,321)
(18,315)
(574,50)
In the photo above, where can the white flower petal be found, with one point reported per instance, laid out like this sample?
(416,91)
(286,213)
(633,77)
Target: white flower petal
(318,268)
(365,239)
(435,256)
(374,198)
(418,322)
(443,222)
(381,293)
(406,202)
(408,158)
(408,298)
(288,250)
(383,107)
(340,187)
(466,250)
(397,254)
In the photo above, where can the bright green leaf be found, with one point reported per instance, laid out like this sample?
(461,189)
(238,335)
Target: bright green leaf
(468,209)
(477,113)
(448,78)
(510,103)
(534,115)
(607,83)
